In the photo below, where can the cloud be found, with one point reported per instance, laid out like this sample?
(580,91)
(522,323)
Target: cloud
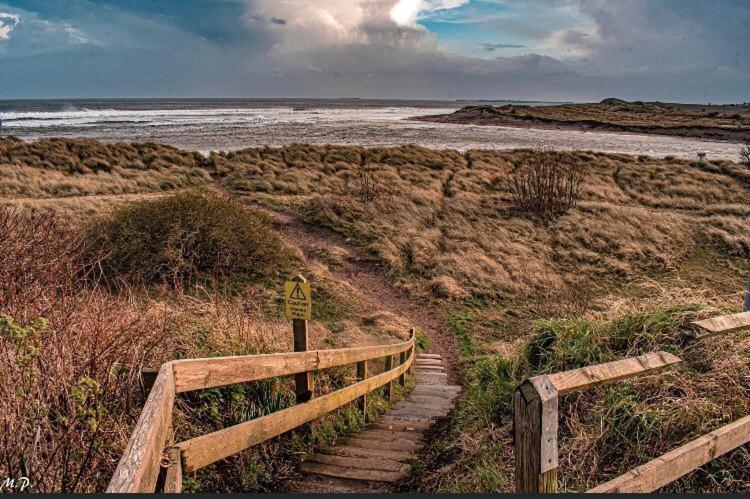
(7,23)
(406,12)
(491,47)
(563,49)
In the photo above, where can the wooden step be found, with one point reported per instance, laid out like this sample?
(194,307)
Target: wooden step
(431,413)
(326,484)
(405,445)
(418,408)
(383,453)
(354,473)
(436,389)
(409,420)
(365,463)
(345,450)
(430,363)
(428,370)
(402,426)
(389,436)
(428,399)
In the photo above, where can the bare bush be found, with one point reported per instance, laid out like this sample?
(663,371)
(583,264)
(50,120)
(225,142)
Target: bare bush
(69,360)
(546,188)
(364,184)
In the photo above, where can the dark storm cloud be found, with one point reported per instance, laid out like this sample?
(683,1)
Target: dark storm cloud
(491,47)
(576,49)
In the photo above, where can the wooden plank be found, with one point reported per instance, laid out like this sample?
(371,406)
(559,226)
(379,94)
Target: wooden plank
(402,445)
(303,382)
(721,324)
(204,450)
(387,436)
(599,374)
(354,473)
(388,388)
(173,476)
(196,374)
(394,425)
(366,463)
(362,375)
(139,465)
(402,378)
(681,461)
(535,435)
(343,450)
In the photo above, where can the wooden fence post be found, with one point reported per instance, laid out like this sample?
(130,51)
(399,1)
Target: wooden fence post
(413,353)
(361,376)
(303,381)
(387,392)
(535,435)
(402,377)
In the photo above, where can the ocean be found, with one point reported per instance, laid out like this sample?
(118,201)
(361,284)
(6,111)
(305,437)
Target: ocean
(230,124)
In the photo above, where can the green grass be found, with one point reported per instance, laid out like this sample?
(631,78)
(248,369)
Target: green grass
(615,427)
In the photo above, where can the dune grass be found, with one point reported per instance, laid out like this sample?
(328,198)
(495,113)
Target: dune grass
(649,244)
(58,168)
(447,225)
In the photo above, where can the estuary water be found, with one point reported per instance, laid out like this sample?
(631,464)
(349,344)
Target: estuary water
(230,124)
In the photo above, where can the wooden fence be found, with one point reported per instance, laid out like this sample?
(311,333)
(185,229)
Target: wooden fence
(535,418)
(152,442)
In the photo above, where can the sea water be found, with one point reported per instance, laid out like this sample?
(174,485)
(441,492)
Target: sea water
(230,124)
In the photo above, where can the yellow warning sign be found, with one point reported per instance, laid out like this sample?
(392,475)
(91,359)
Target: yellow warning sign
(297,300)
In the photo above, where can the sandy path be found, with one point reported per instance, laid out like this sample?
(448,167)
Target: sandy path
(371,279)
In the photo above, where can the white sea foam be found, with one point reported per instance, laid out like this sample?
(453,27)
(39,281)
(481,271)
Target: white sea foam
(226,128)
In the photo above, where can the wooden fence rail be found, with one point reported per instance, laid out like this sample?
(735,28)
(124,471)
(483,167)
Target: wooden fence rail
(681,461)
(535,417)
(151,440)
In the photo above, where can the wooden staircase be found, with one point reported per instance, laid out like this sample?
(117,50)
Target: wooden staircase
(380,456)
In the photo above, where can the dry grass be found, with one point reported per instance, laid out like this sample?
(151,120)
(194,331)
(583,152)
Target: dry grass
(71,353)
(647,114)
(56,168)
(445,229)
(606,431)
(449,216)
(710,121)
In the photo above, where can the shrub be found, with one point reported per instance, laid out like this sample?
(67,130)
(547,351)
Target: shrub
(185,238)
(69,360)
(364,184)
(546,188)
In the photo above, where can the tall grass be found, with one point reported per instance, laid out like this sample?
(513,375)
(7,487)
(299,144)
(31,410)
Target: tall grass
(69,359)
(606,431)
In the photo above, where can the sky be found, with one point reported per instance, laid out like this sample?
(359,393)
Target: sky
(560,50)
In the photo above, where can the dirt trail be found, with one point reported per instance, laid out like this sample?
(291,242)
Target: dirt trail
(361,272)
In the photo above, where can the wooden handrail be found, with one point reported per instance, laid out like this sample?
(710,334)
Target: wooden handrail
(206,449)
(599,374)
(719,325)
(535,413)
(198,374)
(535,417)
(139,465)
(138,468)
(681,461)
